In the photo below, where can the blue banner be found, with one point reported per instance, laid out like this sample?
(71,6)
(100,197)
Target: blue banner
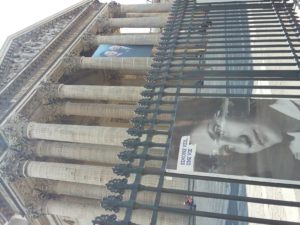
(123,51)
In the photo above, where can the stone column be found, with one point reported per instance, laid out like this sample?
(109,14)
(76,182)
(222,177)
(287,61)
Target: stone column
(78,173)
(128,39)
(98,110)
(77,133)
(76,151)
(125,65)
(73,207)
(87,152)
(95,92)
(146,8)
(83,174)
(130,65)
(76,190)
(130,15)
(90,208)
(99,192)
(143,22)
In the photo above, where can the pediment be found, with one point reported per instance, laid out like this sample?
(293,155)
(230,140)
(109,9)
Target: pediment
(22,47)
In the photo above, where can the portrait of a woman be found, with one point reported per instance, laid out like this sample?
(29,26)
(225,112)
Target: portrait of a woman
(240,136)
(105,50)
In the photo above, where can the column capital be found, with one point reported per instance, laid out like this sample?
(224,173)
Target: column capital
(114,9)
(55,107)
(96,5)
(11,167)
(36,206)
(34,210)
(49,92)
(71,63)
(89,41)
(15,131)
(103,24)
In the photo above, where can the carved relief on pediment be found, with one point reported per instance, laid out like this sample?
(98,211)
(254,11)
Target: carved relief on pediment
(27,46)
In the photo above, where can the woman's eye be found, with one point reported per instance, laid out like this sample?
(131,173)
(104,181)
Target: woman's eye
(217,130)
(226,150)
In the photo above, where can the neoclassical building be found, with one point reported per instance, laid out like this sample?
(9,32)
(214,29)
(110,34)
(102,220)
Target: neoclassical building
(64,114)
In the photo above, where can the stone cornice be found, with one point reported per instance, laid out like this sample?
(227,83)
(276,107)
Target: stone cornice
(37,25)
(22,47)
(38,66)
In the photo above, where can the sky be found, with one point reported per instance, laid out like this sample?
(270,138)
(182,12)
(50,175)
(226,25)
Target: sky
(19,14)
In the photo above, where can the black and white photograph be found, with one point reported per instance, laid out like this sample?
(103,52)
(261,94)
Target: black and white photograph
(237,136)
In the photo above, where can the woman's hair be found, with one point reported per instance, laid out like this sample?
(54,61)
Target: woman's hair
(201,109)
(241,109)
(265,163)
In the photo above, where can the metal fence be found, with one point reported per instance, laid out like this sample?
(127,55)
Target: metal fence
(214,49)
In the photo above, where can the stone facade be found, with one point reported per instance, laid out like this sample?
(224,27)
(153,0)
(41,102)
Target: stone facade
(66,115)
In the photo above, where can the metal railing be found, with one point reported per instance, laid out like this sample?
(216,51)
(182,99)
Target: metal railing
(216,49)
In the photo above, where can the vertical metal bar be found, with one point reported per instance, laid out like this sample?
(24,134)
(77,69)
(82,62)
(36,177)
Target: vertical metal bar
(187,29)
(175,11)
(161,178)
(283,25)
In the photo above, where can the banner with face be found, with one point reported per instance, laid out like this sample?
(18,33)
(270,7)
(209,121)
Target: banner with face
(105,50)
(237,137)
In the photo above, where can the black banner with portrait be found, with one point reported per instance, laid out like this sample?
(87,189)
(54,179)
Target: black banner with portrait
(237,138)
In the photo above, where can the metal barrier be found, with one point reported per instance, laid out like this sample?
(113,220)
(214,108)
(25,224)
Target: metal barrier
(216,49)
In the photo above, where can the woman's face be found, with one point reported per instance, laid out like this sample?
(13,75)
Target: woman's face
(214,137)
(111,54)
